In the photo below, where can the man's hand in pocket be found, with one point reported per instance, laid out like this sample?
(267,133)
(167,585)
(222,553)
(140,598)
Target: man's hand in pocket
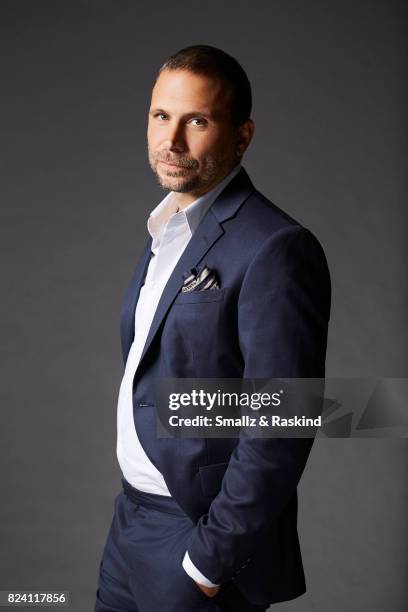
(209,591)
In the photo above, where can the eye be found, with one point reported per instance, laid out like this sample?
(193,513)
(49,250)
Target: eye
(198,122)
(160,116)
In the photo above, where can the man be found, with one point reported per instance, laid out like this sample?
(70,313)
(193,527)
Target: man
(210,524)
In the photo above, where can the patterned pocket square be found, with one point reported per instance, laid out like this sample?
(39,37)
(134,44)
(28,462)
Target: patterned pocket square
(200,279)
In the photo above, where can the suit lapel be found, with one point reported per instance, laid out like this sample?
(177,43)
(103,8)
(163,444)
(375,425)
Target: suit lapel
(127,322)
(204,237)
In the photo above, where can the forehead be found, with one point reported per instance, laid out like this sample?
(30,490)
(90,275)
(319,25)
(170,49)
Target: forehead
(184,91)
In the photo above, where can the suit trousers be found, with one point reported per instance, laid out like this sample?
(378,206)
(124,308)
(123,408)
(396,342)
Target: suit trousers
(141,568)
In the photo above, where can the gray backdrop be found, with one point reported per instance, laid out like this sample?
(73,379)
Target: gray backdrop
(329,101)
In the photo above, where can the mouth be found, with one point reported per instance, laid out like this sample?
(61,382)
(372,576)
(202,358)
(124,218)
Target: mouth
(172,165)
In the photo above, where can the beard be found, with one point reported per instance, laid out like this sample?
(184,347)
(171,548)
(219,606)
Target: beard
(187,178)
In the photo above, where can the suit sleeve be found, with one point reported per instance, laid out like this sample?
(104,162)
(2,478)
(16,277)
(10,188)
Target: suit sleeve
(283,313)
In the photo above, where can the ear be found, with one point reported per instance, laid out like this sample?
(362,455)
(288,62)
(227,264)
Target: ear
(245,132)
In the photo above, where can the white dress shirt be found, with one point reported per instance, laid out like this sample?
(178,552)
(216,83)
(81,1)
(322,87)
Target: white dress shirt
(171,231)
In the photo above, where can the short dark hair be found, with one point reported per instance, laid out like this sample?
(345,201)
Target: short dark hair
(210,61)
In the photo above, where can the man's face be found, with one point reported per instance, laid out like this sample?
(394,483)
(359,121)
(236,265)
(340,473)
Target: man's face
(191,139)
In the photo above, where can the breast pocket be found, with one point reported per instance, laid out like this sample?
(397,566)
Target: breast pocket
(200,297)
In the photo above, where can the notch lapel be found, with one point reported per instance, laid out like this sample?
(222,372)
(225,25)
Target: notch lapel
(127,320)
(207,233)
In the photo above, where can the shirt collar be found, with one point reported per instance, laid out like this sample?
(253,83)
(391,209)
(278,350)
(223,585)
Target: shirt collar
(191,214)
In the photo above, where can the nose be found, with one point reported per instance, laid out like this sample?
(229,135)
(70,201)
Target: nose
(175,140)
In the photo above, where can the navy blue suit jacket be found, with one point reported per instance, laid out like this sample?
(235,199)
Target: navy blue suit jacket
(268,319)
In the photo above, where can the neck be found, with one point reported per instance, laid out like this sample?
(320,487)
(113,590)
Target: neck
(184,199)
